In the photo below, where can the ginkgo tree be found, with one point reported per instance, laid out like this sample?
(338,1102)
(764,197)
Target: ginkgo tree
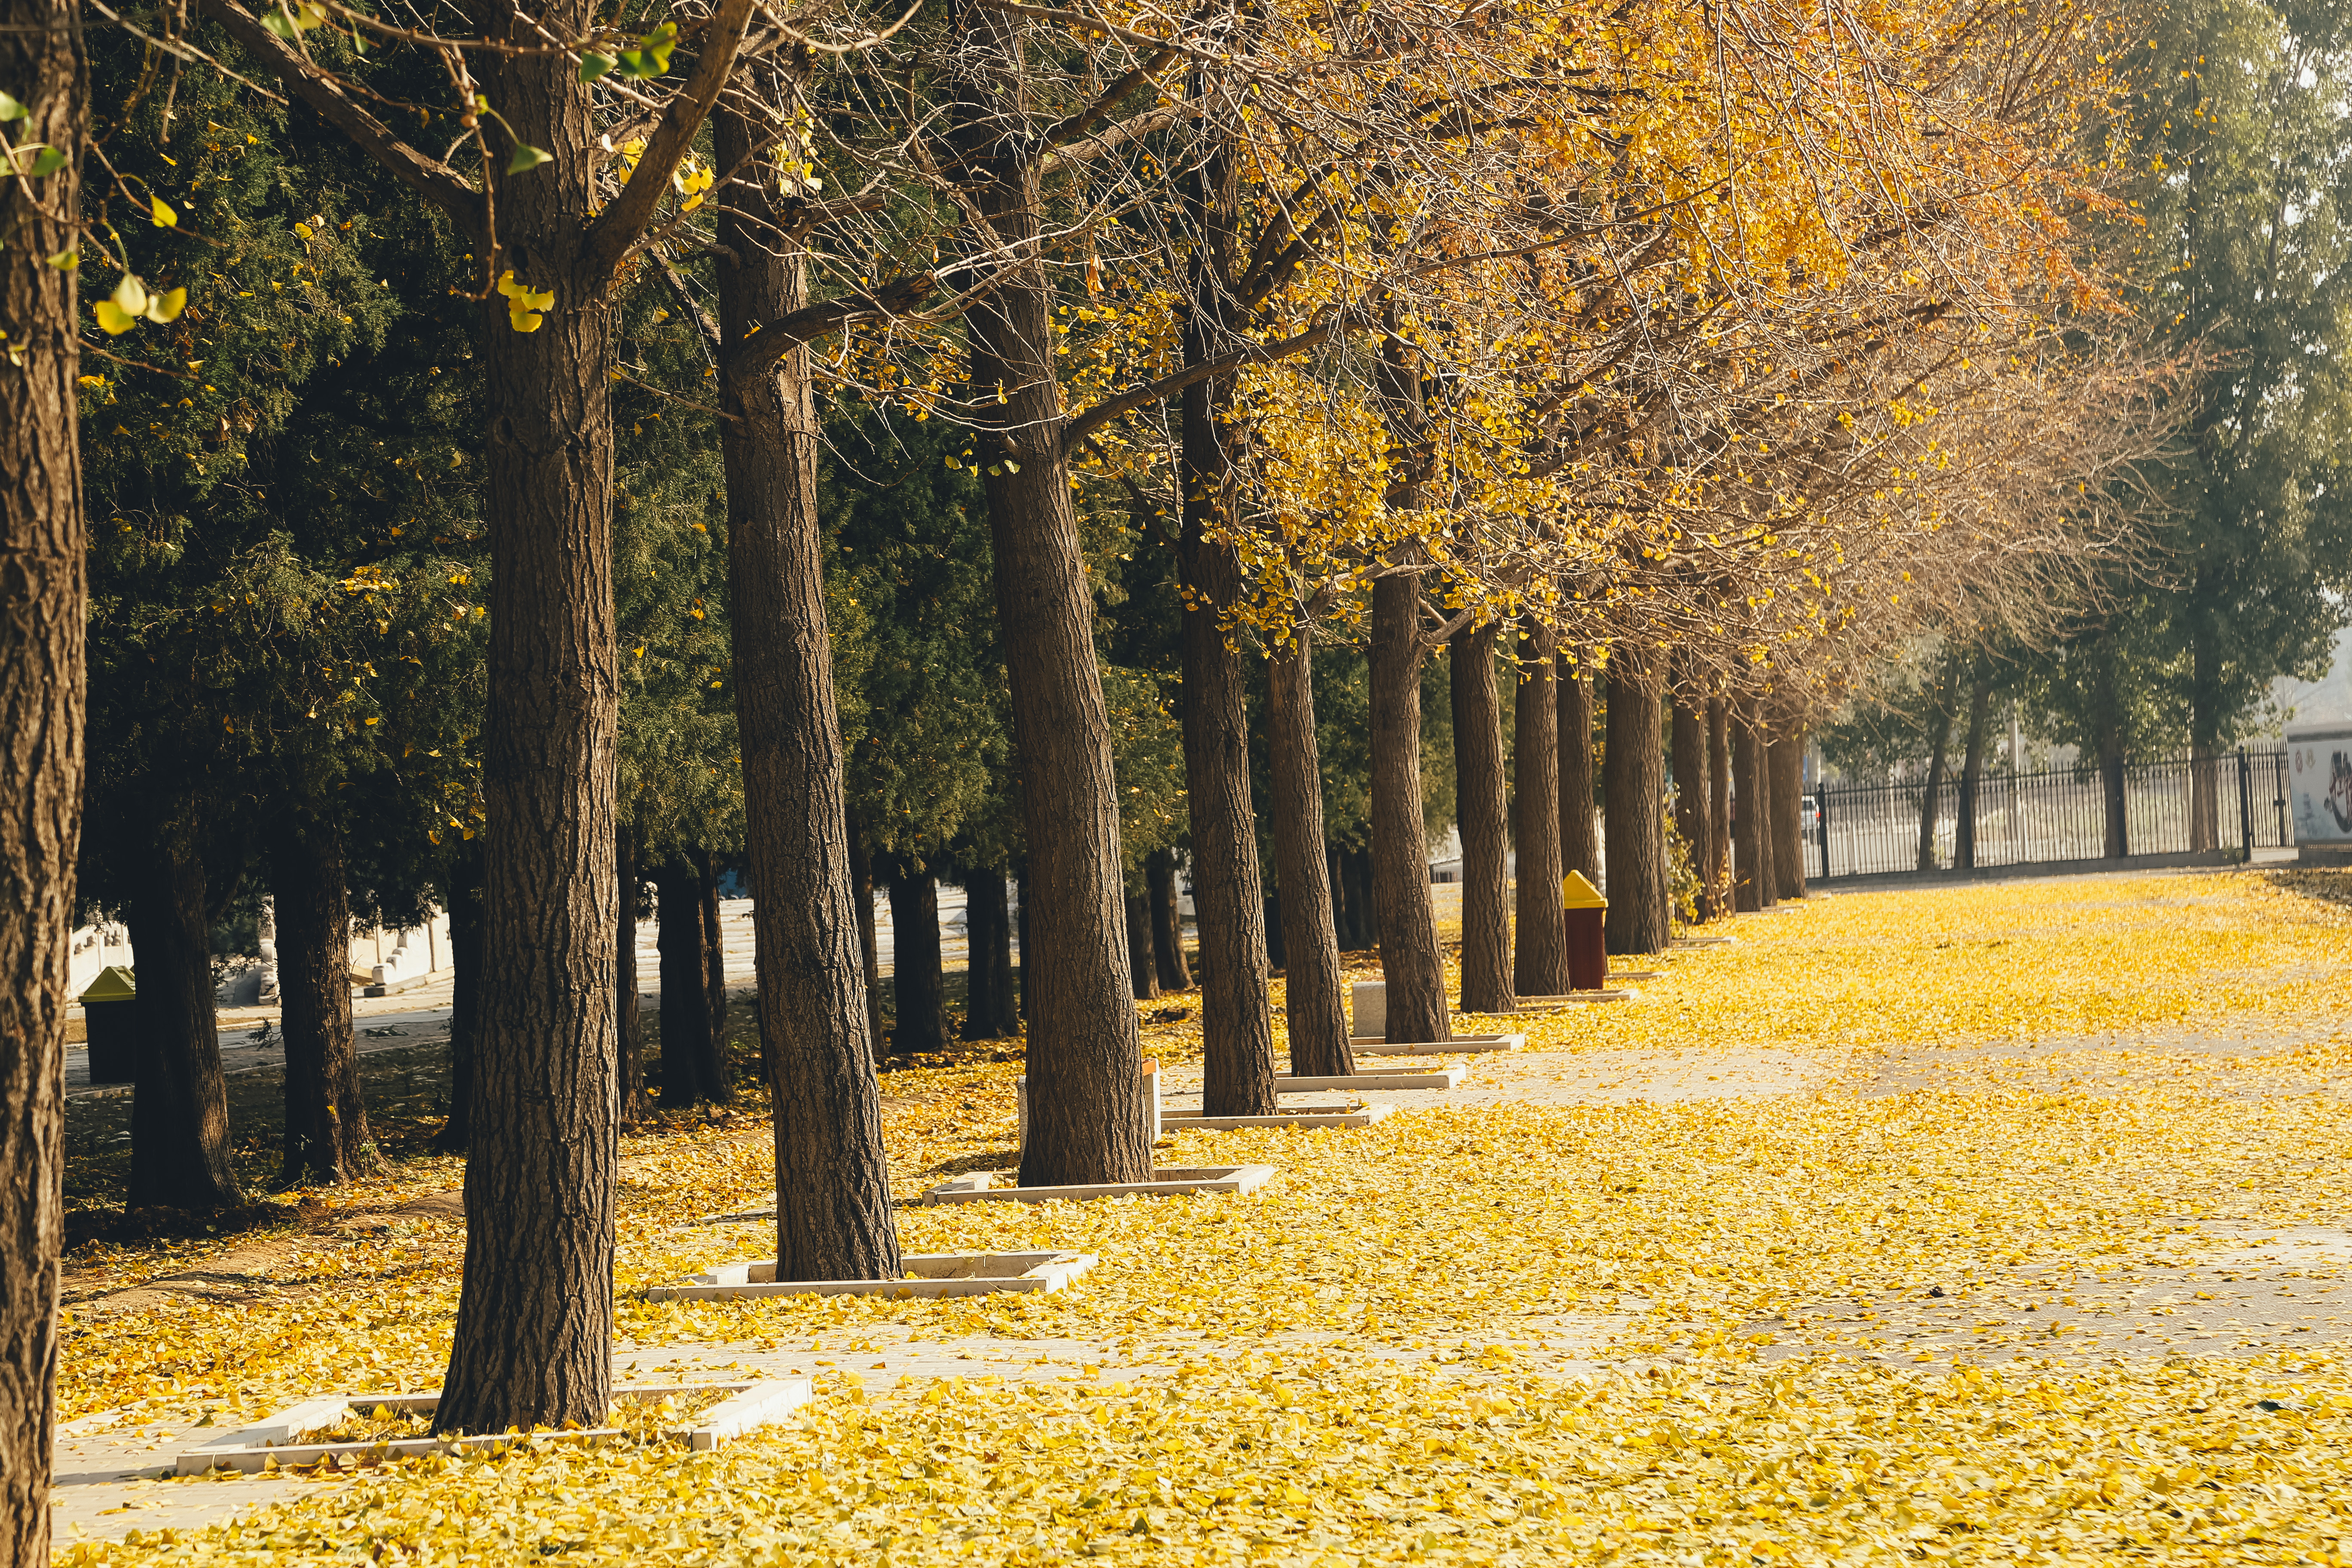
(43,598)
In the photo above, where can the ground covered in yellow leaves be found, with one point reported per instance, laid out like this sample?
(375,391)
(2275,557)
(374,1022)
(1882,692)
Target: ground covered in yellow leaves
(1522,1331)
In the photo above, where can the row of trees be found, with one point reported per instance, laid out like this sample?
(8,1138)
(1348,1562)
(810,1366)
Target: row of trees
(2230,139)
(506,523)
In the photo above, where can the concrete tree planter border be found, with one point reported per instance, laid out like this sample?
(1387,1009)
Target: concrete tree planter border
(1309,1116)
(1460,1044)
(1578,998)
(1167,1181)
(1447,1077)
(753,1403)
(932,1276)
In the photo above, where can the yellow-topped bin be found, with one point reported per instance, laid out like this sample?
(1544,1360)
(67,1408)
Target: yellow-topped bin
(109,1009)
(1587,934)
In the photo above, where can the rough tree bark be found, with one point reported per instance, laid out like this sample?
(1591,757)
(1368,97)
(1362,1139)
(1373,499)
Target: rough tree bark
(1409,960)
(1314,1007)
(714,962)
(1142,973)
(1363,897)
(179,1106)
(918,985)
(1540,961)
(2204,747)
(1931,802)
(1767,864)
(1087,1122)
(993,1013)
(1633,788)
(532,1341)
(1487,981)
(1167,921)
(463,894)
(815,959)
(1972,754)
(1228,898)
(870,939)
(1718,805)
(1751,886)
(1580,838)
(327,1136)
(1691,817)
(629,1024)
(689,1070)
(1229,895)
(43,595)
(1343,920)
(1786,758)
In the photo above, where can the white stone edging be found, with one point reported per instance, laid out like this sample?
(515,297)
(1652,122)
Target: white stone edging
(1168,1181)
(273,1439)
(933,1276)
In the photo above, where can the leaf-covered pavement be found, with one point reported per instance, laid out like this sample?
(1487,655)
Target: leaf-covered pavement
(1809,1326)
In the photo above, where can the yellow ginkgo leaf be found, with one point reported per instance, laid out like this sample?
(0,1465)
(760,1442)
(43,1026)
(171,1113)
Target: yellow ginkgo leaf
(167,306)
(114,319)
(161,210)
(131,294)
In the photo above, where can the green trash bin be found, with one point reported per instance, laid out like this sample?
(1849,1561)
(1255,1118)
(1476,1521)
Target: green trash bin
(109,1009)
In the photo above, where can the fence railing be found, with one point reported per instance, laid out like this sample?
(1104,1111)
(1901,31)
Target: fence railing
(2061,815)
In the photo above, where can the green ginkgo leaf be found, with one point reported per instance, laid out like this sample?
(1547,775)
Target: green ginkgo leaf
(527,158)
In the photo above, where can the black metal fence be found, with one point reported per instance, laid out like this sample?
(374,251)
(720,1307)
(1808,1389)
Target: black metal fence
(2027,818)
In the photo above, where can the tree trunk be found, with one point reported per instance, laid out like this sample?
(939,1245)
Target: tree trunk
(2113,797)
(1363,899)
(1691,816)
(869,941)
(689,1070)
(1343,920)
(1314,1007)
(1786,758)
(1167,921)
(1479,805)
(814,952)
(1940,720)
(179,1106)
(1142,973)
(1972,753)
(464,889)
(43,599)
(2204,747)
(1718,776)
(1752,875)
(1410,959)
(630,1023)
(918,985)
(327,1136)
(714,963)
(993,1014)
(1539,962)
(1767,863)
(1580,839)
(1087,1122)
(1228,898)
(532,1341)
(1633,788)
